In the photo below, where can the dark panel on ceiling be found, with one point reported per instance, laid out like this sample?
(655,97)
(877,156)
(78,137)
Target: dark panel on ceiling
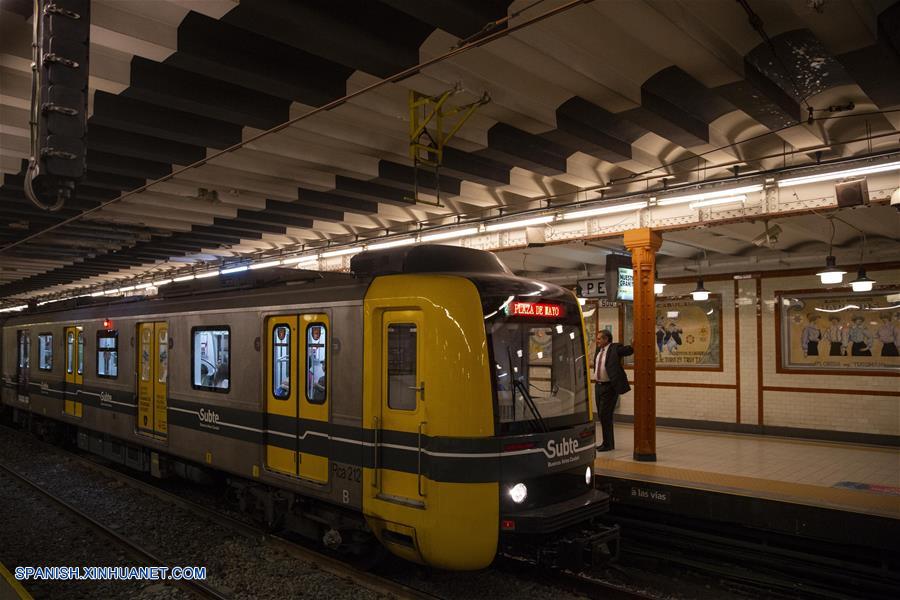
(374,191)
(683,101)
(522,149)
(127,143)
(472,167)
(296,209)
(229,53)
(462,18)
(336,201)
(366,36)
(402,176)
(163,84)
(602,134)
(150,119)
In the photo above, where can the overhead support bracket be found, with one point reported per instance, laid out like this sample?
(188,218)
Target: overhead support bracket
(426,146)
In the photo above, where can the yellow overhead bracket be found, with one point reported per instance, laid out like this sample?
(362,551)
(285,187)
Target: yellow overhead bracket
(426,146)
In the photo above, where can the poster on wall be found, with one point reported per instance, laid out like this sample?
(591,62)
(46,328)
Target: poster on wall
(688,333)
(838,332)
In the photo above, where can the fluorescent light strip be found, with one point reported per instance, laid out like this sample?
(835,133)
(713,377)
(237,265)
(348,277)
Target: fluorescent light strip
(299,259)
(392,244)
(519,223)
(749,189)
(240,269)
(112,291)
(183,278)
(870,170)
(605,210)
(127,289)
(342,252)
(14,308)
(717,201)
(450,235)
(95,294)
(265,265)
(206,274)
(161,282)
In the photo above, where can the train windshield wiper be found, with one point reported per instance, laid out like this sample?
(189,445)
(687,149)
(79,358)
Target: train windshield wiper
(519,385)
(529,401)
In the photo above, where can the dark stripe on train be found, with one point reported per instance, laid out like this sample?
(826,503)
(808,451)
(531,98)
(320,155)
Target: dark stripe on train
(354,445)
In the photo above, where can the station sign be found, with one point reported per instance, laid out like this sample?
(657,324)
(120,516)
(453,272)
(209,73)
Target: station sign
(592,288)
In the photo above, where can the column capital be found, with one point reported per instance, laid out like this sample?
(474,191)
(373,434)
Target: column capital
(642,238)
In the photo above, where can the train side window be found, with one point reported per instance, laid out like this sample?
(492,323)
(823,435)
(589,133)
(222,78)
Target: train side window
(210,354)
(80,352)
(316,363)
(281,361)
(108,354)
(146,347)
(401,366)
(70,352)
(162,367)
(24,349)
(45,351)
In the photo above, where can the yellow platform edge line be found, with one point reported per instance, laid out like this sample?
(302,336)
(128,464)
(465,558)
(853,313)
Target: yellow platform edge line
(795,493)
(14,584)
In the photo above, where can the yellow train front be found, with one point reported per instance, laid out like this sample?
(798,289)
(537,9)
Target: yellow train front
(483,430)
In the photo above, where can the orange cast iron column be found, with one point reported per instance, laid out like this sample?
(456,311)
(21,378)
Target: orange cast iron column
(643,244)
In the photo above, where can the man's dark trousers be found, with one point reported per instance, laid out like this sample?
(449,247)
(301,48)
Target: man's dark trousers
(606,403)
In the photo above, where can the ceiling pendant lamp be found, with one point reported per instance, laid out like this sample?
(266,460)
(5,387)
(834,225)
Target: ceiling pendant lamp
(862,283)
(700,294)
(831,275)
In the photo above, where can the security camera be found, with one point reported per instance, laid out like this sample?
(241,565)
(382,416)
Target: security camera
(895,199)
(768,238)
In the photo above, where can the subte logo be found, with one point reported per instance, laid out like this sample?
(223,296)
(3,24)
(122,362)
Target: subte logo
(562,448)
(208,418)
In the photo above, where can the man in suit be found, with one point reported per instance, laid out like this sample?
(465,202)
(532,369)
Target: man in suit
(611,382)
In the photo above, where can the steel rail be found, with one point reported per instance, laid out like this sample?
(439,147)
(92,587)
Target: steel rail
(325,563)
(198,588)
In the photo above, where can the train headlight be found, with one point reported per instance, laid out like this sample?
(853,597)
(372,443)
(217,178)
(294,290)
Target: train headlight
(588,476)
(518,493)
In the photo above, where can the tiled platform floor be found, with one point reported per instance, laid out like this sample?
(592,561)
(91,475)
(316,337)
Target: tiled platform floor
(800,471)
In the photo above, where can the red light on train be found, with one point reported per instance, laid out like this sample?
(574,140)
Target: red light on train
(508,525)
(107,324)
(535,309)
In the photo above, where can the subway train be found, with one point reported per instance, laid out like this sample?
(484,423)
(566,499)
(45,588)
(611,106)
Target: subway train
(428,401)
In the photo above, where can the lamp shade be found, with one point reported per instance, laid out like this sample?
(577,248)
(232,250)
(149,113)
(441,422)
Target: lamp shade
(862,283)
(700,294)
(831,274)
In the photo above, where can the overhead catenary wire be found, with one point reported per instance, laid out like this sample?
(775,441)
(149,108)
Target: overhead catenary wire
(312,112)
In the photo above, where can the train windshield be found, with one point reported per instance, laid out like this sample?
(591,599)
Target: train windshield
(539,373)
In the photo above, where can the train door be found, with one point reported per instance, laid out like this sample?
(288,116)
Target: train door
(23,363)
(402,421)
(314,400)
(153,376)
(282,443)
(297,395)
(74,370)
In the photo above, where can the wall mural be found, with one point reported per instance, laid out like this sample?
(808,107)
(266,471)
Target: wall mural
(842,331)
(688,333)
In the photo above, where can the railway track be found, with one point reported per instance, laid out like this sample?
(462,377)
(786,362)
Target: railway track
(142,555)
(758,567)
(323,562)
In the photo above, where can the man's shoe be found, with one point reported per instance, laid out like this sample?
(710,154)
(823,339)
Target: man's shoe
(603,448)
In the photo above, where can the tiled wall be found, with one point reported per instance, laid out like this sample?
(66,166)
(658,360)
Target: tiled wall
(734,395)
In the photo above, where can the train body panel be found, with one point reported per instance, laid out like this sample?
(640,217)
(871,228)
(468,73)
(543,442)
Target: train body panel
(410,402)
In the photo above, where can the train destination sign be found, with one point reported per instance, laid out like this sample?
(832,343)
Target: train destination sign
(535,309)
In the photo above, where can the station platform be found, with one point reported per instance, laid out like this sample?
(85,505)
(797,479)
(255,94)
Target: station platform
(845,493)
(10,589)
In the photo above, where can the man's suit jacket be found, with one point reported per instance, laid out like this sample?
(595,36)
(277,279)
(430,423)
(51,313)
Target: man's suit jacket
(614,354)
